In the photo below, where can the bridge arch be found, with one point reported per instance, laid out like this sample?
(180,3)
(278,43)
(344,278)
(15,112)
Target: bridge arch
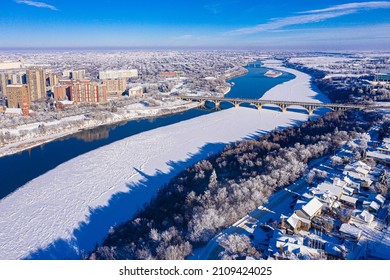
(254,105)
(321,109)
(299,108)
(272,106)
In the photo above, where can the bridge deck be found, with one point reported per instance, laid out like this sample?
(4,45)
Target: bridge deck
(277,102)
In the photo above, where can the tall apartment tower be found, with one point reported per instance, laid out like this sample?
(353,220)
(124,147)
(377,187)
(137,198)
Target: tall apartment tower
(36,81)
(4,81)
(18,96)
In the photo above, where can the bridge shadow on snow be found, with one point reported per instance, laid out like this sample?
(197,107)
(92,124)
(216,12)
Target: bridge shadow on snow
(122,206)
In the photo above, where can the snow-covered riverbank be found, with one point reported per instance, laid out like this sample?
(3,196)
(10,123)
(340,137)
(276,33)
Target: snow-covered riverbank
(66,211)
(56,129)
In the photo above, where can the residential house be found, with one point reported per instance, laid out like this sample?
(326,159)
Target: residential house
(380,199)
(297,223)
(350,232)
(363,217)
(371,206)
(310,209)
(348,200)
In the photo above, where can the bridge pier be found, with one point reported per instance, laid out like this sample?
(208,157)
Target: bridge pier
(237,105)
(259,106)
(217,105)
(310,109)
(283,107)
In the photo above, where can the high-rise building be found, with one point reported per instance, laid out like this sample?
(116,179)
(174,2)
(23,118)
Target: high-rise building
(17,95)
(115,86)
(74,74)
(61,92)
(118,74)
(17,78)
(85,91)
(36,81)
(11,77)
(4,81)
(52,79)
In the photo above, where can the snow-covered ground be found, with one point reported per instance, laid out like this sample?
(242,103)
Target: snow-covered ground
(299,86)
(65,212)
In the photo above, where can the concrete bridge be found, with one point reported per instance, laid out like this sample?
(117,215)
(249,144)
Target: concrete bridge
(283,105)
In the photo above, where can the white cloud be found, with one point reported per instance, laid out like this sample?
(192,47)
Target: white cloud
(37,4)
(312,16)
(353,6)
(282,22)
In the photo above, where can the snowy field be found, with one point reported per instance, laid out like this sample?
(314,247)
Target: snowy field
(65,212)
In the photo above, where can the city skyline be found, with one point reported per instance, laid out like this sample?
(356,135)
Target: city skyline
(334,25)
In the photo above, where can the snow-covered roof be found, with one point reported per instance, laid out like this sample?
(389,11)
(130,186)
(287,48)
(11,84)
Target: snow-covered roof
(358,167)
(339,182)
(307,196)
(386,140)
(66,102)
(348,190)
(365,216)
(312,207)
(362,171)
(385,146)
(377,198)
(357,176)
(371,204)
(328,188)
(378,155)
(351,231)
(348,199)
(361,164)
(294,219)
(14,86)
(13,111)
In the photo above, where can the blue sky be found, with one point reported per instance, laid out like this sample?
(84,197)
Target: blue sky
(259,24)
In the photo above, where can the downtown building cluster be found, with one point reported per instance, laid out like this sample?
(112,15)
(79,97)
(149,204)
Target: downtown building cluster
(20,85)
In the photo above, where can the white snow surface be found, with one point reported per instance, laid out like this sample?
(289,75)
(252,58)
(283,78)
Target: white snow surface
(65,212)
(298,89)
